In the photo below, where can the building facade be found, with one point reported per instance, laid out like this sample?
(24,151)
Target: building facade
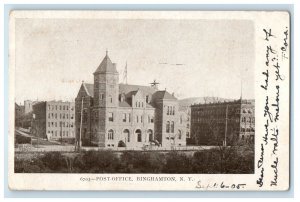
(19,114)
(223,123)
(110,114)
(54,120)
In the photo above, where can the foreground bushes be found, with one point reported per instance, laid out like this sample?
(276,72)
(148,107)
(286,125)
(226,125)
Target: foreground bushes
(219,160)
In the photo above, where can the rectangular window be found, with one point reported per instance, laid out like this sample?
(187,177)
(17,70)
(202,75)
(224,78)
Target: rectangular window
(101,96)
(124,117)
(67,108)
(141,119)
(110,117)
(137,119)
(129,118)
(151,120)
(48,124)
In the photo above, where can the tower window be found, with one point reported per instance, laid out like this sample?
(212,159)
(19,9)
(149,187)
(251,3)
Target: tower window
(110,134)
(124,117)
(172,127)
(110,117)
(168,127)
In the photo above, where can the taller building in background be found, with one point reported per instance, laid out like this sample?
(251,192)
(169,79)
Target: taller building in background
(28,105)
(216,123)
(54,120)
(109,114)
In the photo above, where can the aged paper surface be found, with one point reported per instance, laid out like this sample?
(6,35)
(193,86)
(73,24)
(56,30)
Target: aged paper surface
(149,100)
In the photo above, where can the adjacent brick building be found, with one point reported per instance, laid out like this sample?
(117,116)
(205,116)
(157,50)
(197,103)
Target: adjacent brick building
(210,123)
(54,120)
(109,114)
(19,114)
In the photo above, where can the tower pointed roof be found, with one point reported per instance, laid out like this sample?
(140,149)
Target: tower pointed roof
(106,66)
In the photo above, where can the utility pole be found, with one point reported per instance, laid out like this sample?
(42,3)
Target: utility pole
(80,128)
(225,144)
(61,132)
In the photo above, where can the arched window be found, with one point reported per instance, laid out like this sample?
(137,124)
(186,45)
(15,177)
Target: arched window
(179,134)
(150,135)
(168,127)
(110,134)
(126,135)
(138,134)
(172,127)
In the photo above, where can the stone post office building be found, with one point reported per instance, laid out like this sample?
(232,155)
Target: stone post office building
(110,114)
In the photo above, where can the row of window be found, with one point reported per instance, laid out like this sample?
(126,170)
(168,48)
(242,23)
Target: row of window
(170,127)
(248,120)
(216,120)
(203,111)
(171,110)
(61,133)
(60,124)
(247,130)
(61,116)
(139,104)
(127,118)
(126,135)
(59,107)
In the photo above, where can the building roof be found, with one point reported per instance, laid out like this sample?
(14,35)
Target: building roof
(106,66)
(127,88)
(89,88)
(124,104)
(163,95)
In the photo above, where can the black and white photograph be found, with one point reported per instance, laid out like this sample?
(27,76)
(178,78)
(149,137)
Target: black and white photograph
(146,93)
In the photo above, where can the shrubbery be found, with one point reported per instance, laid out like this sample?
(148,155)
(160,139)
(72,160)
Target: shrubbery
(218,160)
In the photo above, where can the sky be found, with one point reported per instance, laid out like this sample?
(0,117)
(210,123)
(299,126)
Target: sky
(213,57)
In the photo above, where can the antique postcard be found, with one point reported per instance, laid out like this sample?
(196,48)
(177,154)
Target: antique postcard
(149,100)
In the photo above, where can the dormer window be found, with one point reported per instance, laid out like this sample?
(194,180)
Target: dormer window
(148,99)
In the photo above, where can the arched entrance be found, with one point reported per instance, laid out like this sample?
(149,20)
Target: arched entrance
(138,134)
(126,135)
(150,135)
